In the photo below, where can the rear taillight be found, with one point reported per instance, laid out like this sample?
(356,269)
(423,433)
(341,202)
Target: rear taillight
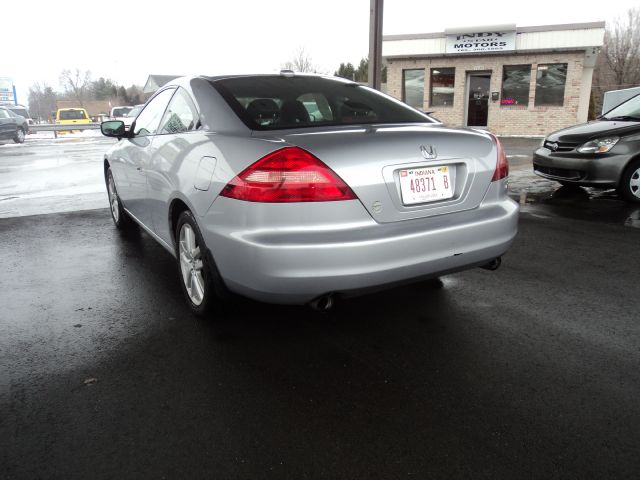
(502,165)
(290,174)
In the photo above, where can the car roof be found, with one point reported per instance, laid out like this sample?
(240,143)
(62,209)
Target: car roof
(17,107)
(215,78)
(181,81)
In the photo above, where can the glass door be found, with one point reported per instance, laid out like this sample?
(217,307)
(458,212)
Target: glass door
(478,99)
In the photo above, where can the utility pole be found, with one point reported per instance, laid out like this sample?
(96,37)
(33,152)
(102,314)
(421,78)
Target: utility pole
(375,43)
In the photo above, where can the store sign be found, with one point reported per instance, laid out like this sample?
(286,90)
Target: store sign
(481,42)
(6,89)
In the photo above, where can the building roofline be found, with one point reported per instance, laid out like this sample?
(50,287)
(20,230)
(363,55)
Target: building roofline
(421,56)
(562,26)
(536,28)
(414,36)
(503,27)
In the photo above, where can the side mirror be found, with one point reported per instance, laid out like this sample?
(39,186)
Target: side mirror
(113,128)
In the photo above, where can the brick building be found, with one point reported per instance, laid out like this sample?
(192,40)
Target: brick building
(513,81)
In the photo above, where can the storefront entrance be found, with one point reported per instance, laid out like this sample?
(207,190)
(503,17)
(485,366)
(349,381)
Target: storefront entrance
(478,98)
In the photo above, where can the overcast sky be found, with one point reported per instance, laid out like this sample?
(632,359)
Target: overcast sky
(220,36)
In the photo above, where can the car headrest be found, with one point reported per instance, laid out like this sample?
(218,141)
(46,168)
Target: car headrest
(293,111)
(263,111)
(353,109)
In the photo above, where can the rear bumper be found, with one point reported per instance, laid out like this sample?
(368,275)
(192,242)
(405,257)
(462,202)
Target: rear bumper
(601,171)
(293,253)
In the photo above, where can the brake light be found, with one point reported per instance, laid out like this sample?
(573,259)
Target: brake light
(290,174)
(502,165)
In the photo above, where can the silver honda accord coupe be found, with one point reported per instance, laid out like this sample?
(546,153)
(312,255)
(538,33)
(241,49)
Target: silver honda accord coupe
(295,189)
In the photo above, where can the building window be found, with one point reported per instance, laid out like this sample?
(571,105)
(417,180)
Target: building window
(442,81)
(550,81)
(515,84)
(413,88)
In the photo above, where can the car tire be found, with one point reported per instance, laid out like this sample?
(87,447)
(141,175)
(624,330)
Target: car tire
(200,280)
(120,218)
(629,187)
(19,138)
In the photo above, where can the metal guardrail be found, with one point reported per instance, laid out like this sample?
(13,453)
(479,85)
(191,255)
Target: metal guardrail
(55,128)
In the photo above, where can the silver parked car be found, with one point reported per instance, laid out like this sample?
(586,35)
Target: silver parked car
(131,116)
(294,188)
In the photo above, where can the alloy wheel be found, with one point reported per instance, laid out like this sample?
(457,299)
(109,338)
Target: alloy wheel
(113,199)
(634,183)
(191,265)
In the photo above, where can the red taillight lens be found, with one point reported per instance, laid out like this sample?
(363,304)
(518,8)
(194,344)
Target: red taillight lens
(502,166)
(290,174)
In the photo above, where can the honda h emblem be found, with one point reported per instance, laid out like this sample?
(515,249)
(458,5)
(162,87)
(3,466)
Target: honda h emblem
(428,151)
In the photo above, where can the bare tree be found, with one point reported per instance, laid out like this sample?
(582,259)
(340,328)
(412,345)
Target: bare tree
(135,95)
(618,63)
(301,62)
(42,101)
(622,49)
(76,84)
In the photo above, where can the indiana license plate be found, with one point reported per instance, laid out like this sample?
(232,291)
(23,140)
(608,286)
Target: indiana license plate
(427,184)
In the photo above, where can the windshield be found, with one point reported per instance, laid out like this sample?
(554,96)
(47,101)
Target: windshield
(134,111)
(121,112)
(72,115)
(629,110)
(278,102)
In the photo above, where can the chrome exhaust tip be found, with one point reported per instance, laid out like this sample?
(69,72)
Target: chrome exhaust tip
(322,304)
(493,264)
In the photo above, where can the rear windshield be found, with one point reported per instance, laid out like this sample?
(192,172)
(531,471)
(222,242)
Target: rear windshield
(134,111)
(278,102)
(121,112)
(20,111)
(72,115)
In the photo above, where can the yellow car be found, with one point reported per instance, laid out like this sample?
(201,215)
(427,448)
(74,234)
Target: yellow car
(72,116)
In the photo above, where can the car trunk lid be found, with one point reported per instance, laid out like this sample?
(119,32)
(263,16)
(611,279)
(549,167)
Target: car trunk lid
(371,159)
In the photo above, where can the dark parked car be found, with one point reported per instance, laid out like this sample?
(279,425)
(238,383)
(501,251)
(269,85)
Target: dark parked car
(603,153)
(22,111)
(12,126)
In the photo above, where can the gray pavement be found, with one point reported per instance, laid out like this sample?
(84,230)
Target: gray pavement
(47,175)
(527,372)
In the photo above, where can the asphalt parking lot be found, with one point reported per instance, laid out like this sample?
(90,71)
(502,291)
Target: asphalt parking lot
(527,372)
